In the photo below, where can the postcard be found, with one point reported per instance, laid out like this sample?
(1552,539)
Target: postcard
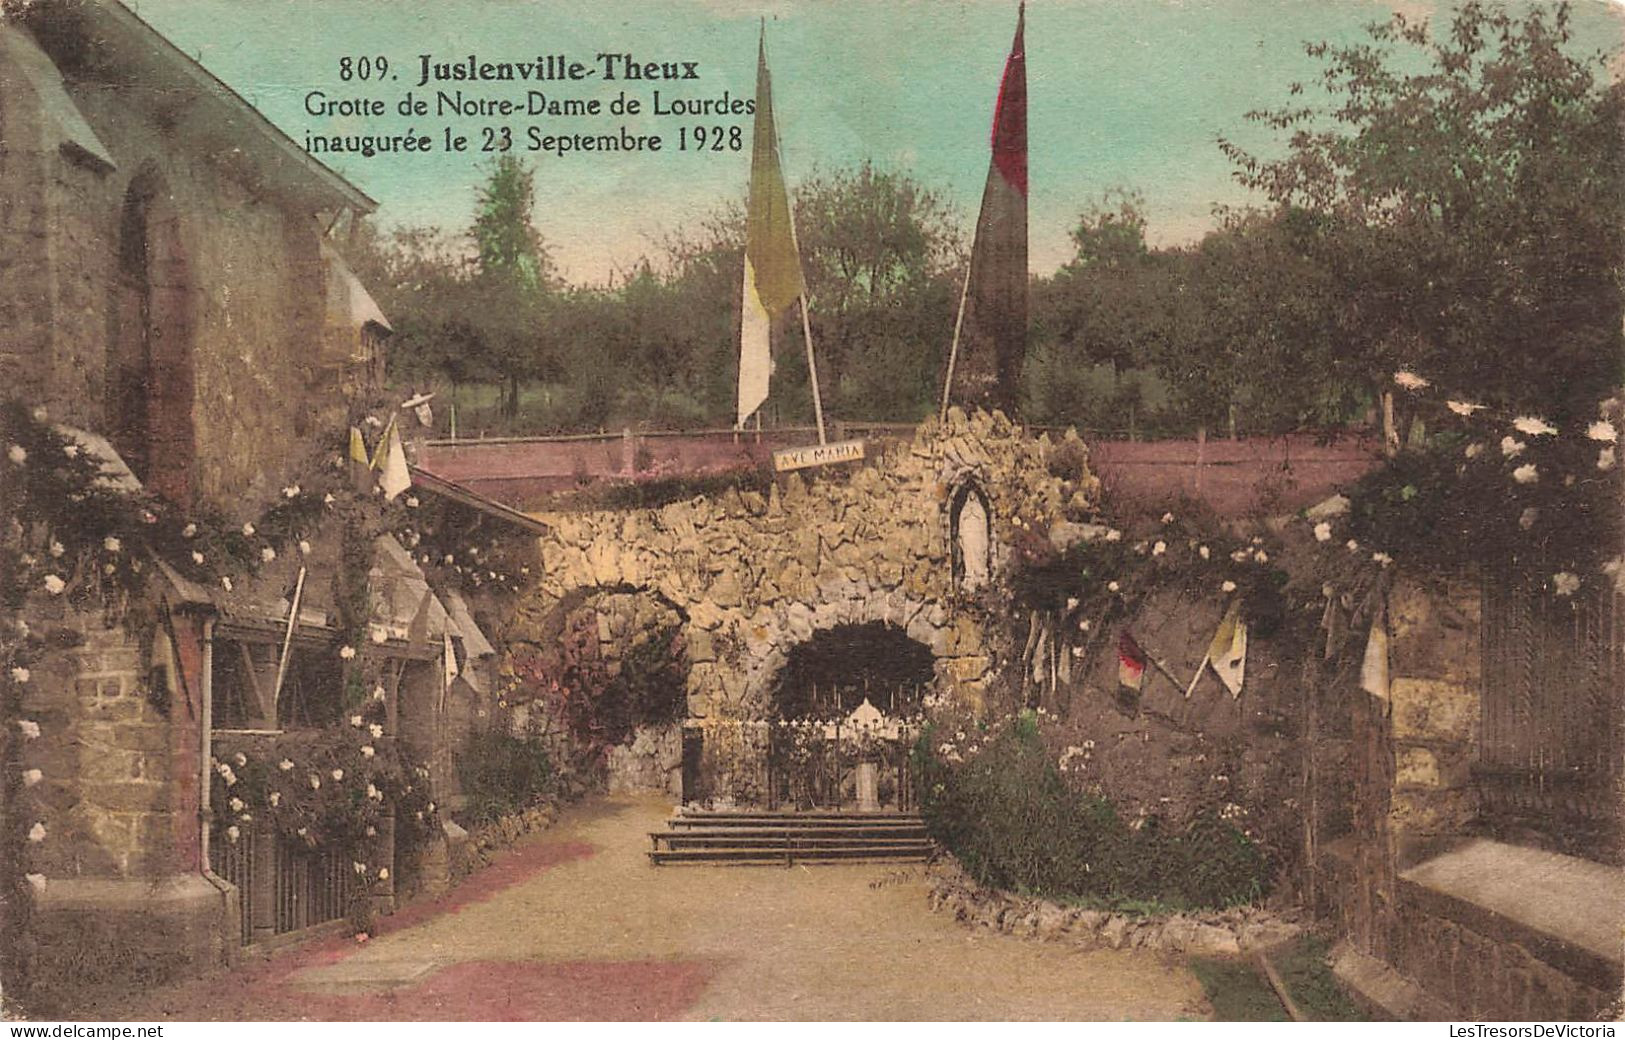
(761,510)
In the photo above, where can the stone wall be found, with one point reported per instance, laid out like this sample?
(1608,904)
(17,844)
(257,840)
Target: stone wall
(1411,800)
(123,892)
(25,232)
(1491,969)
(115,869)
(1217,933)
(753,574)
(1434,712)
(256,286)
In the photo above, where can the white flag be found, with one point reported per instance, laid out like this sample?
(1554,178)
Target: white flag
(1374,669)
(396,477)
(755,353)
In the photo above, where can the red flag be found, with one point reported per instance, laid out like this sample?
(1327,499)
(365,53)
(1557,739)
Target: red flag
(995,306)
(1131,661)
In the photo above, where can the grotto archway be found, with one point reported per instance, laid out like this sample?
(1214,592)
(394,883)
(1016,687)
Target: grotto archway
(847,705)
(609,676)
(831,673)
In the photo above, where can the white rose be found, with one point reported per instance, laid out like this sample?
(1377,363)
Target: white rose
(32,777)
(19,674)
(54,585)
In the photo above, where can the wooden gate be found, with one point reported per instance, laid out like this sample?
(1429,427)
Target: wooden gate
(281,887)
(1549,768)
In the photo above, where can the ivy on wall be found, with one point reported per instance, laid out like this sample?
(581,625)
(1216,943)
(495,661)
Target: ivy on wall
(81,534)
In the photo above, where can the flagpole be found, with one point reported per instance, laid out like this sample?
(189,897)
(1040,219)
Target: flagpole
(953,351)
(806,321)
(812,366)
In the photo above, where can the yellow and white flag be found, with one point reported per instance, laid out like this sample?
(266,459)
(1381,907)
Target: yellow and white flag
(390,460)
(1228,651)
(772,264)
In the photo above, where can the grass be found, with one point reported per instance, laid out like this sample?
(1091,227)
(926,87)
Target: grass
(1303,967)
(1239,992)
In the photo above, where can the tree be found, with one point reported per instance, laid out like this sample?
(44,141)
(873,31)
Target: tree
(513,279)
(883,256)
(1471,210)
(506,243)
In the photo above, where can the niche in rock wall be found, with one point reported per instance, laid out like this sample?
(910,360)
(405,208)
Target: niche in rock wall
(971,530)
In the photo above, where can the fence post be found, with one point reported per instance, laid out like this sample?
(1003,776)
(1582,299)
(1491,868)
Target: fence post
(263,889)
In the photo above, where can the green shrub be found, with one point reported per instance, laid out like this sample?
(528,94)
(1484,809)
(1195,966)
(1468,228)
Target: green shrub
(502,774)
(1012,821)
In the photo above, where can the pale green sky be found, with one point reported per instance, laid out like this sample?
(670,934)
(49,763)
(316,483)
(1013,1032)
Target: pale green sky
(1121,93)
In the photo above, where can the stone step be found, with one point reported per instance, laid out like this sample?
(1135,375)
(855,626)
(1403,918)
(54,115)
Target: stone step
(758,839)
(830,826)
(789,819)
(854,833)
(865,853)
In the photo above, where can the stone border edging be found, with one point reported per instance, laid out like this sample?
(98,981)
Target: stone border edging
(1234,932)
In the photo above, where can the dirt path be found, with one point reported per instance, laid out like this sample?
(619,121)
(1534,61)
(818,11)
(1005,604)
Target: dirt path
(577,924)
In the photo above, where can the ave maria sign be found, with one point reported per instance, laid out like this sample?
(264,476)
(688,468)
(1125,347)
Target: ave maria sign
(817,455)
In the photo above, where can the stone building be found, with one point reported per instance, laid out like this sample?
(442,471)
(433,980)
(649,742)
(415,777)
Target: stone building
(172,303)
(1464,823)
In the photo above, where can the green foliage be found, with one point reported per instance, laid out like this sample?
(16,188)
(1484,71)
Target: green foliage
(1305,969)
(502,774)
(1454,502)
(1007,813)
(505,242)
(658,344)
(603,706)
(327,789)
(1238,991)
(1464,192)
